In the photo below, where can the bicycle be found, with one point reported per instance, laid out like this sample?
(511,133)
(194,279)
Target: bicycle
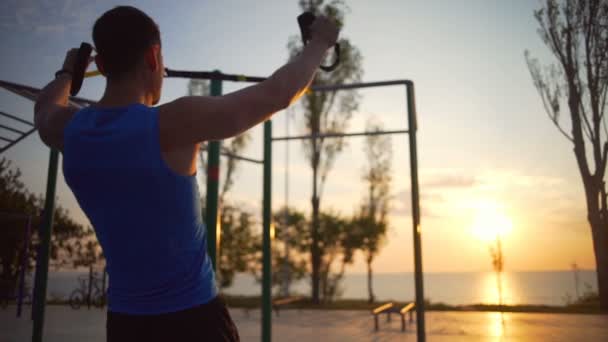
(79,296)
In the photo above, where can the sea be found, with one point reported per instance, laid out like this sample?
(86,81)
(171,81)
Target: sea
(454,288)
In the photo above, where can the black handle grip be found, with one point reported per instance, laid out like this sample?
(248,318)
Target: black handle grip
(84,53)
(305,20)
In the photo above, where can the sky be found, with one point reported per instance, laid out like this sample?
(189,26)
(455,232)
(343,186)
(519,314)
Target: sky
(488,155)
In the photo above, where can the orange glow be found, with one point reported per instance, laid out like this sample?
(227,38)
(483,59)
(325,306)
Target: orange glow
(490,222)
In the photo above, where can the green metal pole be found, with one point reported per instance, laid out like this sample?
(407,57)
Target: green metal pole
(213,177)
(42,266)
(266,243)
(418,274)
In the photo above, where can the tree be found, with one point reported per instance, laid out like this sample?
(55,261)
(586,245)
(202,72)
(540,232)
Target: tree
(498,263)
(289,224)
(336,244)
(370,224)
(321,115)
(72,244)
(237,252)
(576,33)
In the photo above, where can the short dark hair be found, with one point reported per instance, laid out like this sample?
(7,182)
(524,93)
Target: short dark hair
(121,36)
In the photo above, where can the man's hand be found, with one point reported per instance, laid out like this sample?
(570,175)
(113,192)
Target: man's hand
(70,60)
(51,110)
(325,31)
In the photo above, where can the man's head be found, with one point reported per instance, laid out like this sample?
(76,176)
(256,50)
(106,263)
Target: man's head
(128,47)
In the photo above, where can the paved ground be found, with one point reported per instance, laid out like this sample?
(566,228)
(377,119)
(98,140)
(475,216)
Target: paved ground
(67,325)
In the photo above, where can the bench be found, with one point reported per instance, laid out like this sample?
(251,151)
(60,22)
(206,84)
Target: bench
(277,304)
(389,308)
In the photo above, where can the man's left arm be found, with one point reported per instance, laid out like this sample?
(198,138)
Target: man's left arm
(52,111)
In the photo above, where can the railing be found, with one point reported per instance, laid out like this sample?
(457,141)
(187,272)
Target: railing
(389,308)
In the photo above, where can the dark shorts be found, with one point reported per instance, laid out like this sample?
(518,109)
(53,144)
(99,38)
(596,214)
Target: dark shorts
(206,322)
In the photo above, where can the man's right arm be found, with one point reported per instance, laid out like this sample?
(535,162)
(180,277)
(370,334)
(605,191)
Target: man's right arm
(193,119)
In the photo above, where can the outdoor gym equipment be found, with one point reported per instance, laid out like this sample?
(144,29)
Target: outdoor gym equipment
(214,151)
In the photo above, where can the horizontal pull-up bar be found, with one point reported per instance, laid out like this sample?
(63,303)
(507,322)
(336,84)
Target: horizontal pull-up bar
(235,156)
(212,75)
(333,87)
(339,135)
(216,75)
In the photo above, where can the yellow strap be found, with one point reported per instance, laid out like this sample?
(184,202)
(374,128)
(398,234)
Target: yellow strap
(92,73)
(241,78)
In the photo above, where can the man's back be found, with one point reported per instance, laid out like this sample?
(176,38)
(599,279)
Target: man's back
(146,217)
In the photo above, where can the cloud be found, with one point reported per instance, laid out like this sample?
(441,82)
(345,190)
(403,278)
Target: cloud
(47,17)
(402,204)
(450,181)
(56,28)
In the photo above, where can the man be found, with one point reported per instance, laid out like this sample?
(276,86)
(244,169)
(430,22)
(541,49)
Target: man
(132,169)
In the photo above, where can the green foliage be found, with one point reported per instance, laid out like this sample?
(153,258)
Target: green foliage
(337,248)
(336,245)
(289,259)
(72,245)
(237,244)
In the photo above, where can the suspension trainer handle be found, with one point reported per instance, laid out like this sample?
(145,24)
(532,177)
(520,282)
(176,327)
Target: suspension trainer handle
(305,20)
(82,60)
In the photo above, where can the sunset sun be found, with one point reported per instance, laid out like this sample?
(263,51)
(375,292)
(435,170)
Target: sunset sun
(489,222)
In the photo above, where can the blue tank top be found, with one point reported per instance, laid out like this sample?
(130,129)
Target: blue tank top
(146,217)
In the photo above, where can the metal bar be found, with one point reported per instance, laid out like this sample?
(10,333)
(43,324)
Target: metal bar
(418,274)
(213,75)
(4,148)
(334,87)
(19,88)
(11,129)
(339,135)
(266,236)
(236,156)
(16,118)
(6,139)
(225,153)
(213,176)
(42,266)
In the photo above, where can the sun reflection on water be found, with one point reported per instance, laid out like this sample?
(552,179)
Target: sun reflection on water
(497,324)
(489,289)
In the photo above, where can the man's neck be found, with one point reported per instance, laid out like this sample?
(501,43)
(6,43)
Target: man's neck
(120,94)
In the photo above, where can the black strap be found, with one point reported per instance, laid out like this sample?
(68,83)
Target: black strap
(84,53)
(305,20)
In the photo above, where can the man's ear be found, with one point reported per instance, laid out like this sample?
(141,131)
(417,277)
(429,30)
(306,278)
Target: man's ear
(151,57)
(99,63)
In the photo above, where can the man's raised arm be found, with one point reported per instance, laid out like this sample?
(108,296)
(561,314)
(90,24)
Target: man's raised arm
(192,119)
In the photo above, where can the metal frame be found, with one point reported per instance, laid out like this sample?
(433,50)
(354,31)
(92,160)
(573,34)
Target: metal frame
(214,150)
(22,134)
(411,132)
